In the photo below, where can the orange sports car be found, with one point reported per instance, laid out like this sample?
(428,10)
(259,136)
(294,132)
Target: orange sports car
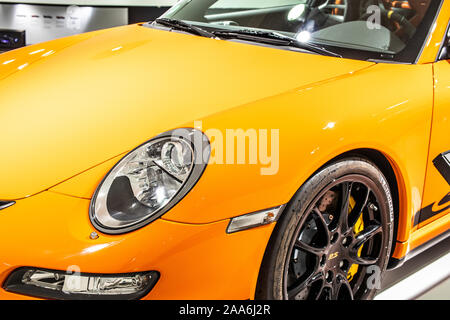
(278,149)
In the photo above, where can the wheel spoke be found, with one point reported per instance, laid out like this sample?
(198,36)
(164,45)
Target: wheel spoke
(368,233)
(361,238)
(342,284)
(319,214)
(335,291)
(313,277)
(363,261)
(346,189)
(308,248)
(320,291)
(347,285)
(361,203)
(317,277)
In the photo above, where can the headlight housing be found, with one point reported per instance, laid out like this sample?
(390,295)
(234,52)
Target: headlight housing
(54,284)
(149,181)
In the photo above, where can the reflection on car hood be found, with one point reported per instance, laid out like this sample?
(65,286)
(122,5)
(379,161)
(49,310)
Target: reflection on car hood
(97,95)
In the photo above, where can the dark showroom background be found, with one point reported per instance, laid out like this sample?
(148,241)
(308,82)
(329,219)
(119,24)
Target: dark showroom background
(38,21)
(29,22)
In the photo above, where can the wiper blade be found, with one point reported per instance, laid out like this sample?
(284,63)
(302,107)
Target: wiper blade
(274,38)
(184,26)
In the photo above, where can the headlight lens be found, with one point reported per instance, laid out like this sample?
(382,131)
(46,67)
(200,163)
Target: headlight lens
(53,284)
(149,181)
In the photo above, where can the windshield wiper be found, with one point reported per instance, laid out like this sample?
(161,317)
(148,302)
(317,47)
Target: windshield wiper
(247,34)
(273,38)
(184,26)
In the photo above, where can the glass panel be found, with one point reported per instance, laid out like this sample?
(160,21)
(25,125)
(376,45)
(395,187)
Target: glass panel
(370,25)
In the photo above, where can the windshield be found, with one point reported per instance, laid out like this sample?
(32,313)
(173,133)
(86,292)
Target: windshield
(360,29)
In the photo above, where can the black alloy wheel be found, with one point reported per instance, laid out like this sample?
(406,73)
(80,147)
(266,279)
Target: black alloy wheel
(333,241)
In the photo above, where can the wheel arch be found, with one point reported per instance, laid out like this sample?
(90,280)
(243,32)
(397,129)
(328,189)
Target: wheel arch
(394,177)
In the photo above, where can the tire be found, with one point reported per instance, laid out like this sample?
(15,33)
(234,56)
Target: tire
(320,239)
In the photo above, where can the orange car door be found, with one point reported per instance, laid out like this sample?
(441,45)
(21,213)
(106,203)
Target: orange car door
(435,213)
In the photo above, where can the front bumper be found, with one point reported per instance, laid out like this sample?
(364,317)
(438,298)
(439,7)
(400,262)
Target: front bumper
(201,261)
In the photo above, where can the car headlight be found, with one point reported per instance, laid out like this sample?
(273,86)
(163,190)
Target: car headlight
(149,181)
(54,284)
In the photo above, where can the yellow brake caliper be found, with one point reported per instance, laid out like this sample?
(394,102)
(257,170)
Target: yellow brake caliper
(359,226)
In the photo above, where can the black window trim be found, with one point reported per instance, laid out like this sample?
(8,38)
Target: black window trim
(445,41)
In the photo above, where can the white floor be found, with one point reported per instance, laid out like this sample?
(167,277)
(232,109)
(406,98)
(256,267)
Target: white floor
(440,292)
(425,277)
(425,280)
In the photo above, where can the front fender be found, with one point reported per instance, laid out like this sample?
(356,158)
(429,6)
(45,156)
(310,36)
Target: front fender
(377,108)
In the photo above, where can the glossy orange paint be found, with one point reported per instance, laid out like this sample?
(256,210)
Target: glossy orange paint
(99,95)
(436,187)
(434,41)
(113,87)
(53,230)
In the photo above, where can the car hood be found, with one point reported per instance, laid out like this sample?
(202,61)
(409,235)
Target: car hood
(71,104)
